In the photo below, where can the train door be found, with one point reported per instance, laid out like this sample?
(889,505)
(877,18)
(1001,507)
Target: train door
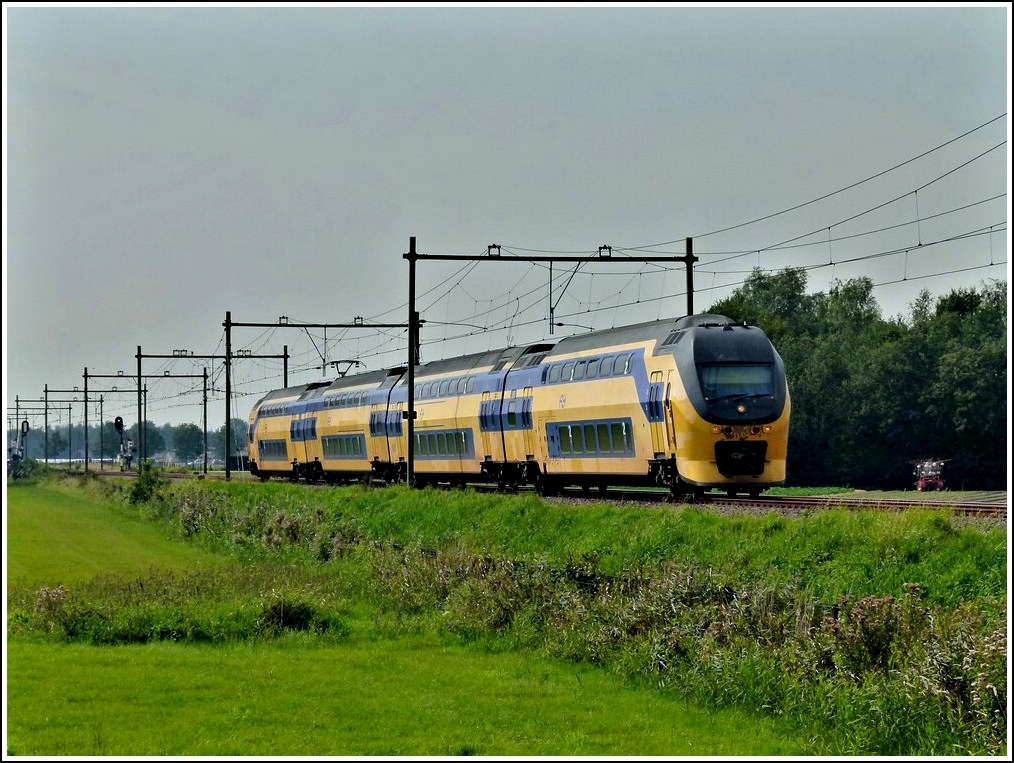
(395,431)
(377,447)
(297,429)
(484,426)
(670,422)
(526,422)
(656,419)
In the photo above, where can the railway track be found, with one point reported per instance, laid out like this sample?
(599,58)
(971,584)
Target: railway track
(860,501)
(982,504)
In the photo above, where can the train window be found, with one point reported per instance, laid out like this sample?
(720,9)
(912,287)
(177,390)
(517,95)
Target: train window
(460,389)
(593,368)
(565,440)
(579,371)
(441,444)
(603,437)
(470,386)
(577,439)
(512,416)
(433,443)
(605,366)
(620,365)
(589,438)
(619,444)
(568,371)
(443,388)
(554,373)
(732,380)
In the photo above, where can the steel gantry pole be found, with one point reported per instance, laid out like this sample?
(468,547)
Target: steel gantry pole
(413,358)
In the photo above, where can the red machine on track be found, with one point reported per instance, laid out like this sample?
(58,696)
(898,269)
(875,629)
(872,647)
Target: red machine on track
(929,474)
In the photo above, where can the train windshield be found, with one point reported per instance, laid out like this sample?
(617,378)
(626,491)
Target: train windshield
(724,381)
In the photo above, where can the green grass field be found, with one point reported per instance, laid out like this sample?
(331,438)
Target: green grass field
(379,691)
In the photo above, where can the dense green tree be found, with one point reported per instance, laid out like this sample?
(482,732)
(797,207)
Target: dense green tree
(154,442)
(57,443)
(188,441)
(216,439)
(109,440)
(167,431)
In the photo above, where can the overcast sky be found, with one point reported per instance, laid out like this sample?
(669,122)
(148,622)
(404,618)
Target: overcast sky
(165,165)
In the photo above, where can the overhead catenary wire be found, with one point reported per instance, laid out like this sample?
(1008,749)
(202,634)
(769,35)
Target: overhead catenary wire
(527,303)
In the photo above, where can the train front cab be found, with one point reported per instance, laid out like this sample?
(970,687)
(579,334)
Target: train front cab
(727,407)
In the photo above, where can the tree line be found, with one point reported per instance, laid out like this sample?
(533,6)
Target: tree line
(872,395)
(185,441)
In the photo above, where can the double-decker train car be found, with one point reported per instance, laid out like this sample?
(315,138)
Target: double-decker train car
(693,404)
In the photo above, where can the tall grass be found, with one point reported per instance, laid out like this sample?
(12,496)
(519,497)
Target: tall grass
(834,620)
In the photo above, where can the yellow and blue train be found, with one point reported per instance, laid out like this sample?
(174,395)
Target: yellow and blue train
(693,404)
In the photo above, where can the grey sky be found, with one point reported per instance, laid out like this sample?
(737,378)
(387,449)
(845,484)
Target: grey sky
(164,165)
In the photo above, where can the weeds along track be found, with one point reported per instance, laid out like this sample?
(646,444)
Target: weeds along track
(984,504)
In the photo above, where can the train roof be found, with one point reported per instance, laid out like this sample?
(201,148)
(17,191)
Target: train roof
(477,360)
(661,331)
(638,332)
(368,379)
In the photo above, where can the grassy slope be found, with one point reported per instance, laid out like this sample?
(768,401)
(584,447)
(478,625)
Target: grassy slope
(63,536)
(407,696)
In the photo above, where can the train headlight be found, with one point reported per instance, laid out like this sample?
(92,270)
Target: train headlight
(741,408)
(715,429)
(767,429)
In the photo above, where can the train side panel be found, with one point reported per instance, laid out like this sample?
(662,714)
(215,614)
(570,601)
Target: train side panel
(342,429)
(270,451)
(591,419)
